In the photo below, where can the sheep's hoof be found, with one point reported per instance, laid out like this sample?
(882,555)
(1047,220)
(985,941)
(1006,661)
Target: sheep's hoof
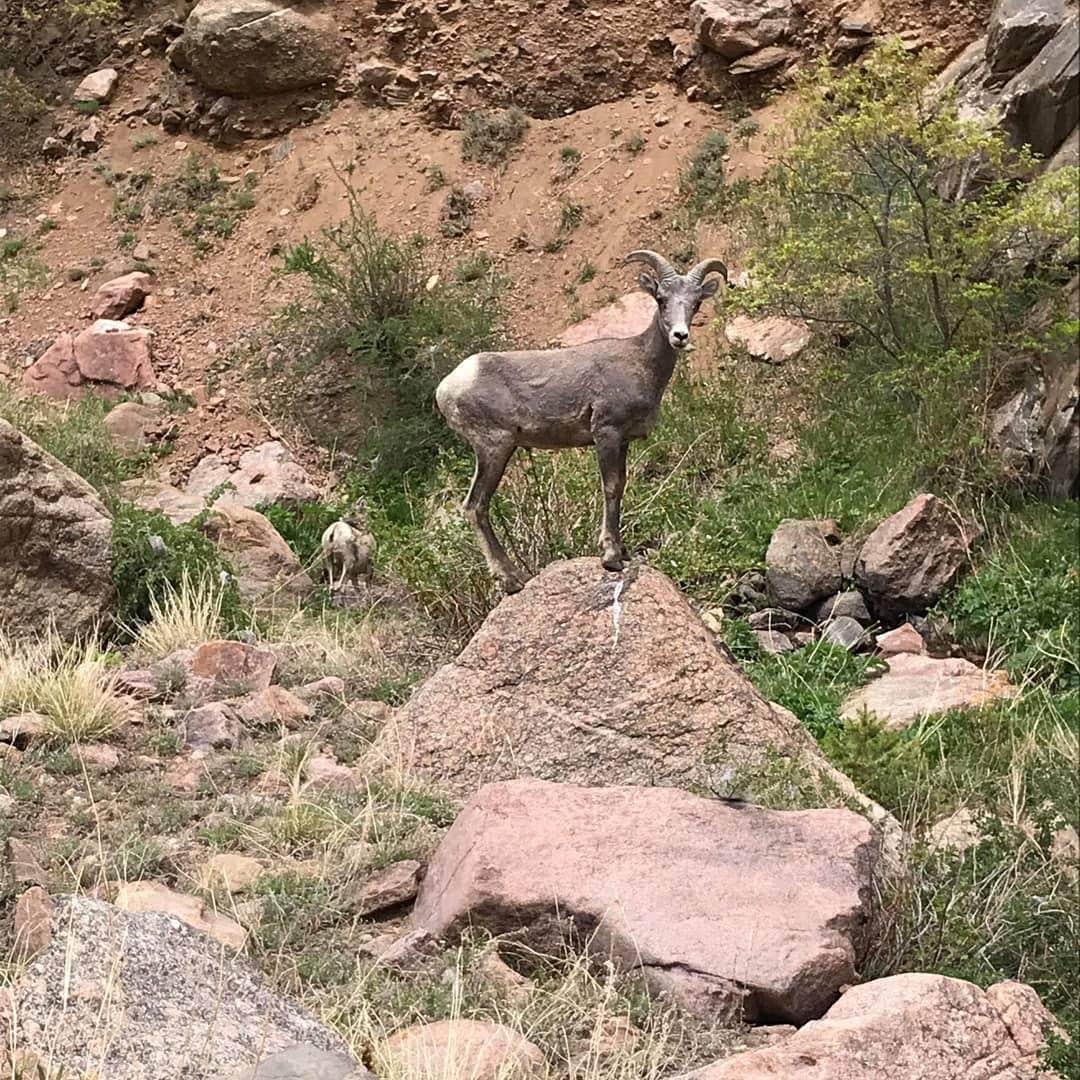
(613,560)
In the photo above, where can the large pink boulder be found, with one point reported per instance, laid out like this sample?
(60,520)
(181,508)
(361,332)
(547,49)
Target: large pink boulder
(598,678)
(907,1027)
(626,317)
(107,356)
(730,908)
(121,296)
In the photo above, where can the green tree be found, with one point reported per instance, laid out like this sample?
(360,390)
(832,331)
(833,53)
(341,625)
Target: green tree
(914,235)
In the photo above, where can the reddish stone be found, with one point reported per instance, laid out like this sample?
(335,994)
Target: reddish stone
(121,296)
(113,352)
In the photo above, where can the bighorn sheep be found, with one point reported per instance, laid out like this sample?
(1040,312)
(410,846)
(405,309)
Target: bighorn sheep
(348,551)
(603,393)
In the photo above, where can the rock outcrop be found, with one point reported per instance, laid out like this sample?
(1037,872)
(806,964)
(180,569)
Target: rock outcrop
(594,678)
(55,542)
(152,998)
(907,1027)
(732,909)
(912,557)
(252,47)
(108,356)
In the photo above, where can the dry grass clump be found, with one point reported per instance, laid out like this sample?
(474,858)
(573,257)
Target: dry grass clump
(71,684)
(181,617)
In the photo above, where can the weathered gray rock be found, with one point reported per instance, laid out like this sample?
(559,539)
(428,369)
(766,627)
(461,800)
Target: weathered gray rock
(55,543)
(745,909)
(849,604)
(212,726)
(1041,103)
(563,684)
(756,63)
(777,619)
(130,425)
(734,28)
(303,1062)
(251,47)
(844,631)
(907,1027)
(1018,30)
(912,557)
(140,977)
(801,565)
(394,885)
(773,642)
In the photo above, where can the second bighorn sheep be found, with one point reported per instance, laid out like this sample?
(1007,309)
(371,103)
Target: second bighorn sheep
(602,393)
(348,552)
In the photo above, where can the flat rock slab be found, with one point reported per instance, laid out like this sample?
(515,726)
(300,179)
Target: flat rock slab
(144,997)
(263,476)
(728,908)
(568,681)
(907,1027)
(917,685)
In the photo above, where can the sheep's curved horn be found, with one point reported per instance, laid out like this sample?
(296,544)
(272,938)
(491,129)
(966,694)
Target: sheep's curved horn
(659,264)
(706,266)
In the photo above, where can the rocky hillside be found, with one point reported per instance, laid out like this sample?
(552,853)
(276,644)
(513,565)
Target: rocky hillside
(793,795)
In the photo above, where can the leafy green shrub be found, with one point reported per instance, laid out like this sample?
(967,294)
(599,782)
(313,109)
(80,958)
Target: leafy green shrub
(1025,598)
(141,574)
(490,137)
(702,180)
(372,302)
(852,232)
(812,681)
(209,207)
(302,525)
(456,216)
(20,268)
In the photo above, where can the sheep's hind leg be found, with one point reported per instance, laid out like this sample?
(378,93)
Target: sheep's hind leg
(611,455)
(490,465)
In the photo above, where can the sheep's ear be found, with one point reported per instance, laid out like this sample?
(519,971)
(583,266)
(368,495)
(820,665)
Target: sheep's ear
(710,287)
(649,283)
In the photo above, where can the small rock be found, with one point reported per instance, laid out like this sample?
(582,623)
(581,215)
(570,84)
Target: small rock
(304,1062)
(92,135)
(23,864)
(139,896)
(802,566)
(97,757)
(773,642)
(849,603)
(475,1049)
(325,772)
(121,296)
(956,832)
(904,639)
(33,921)
(773,339)
(845,632)
(129,424)
(23,729)
(329,686)
(234,666)
(395,885)
(97,86)
(515,988)
(275,706)
(237,873)
(211,726)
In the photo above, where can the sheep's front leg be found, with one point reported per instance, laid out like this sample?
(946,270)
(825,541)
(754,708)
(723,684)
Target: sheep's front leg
(491,463)
(611,455)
